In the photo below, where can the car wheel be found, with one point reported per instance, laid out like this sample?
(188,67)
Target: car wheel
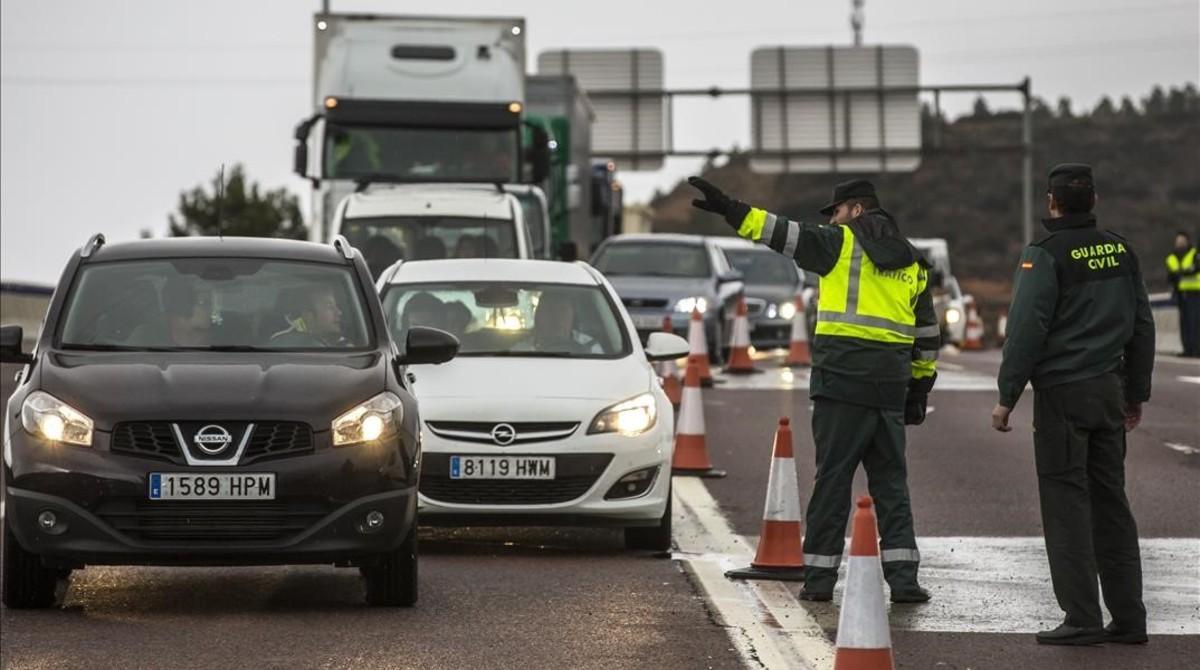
(27,584)
(717,344)
(652,538)
(392,582)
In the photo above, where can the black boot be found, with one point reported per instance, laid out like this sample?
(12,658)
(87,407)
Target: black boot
(1067,634)
(1113,633)
(910,594)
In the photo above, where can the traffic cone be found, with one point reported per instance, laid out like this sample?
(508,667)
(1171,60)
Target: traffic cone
(799,353)
(779,553)
(863,639)
(698,348)
(973,334)
(668,371)
(691,450)
(740,362)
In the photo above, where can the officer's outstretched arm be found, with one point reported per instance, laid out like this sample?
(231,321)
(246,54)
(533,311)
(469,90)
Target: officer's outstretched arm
(1139,350)
(813,247)
(1035,297)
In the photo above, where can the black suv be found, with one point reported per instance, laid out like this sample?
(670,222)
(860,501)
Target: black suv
(199,401)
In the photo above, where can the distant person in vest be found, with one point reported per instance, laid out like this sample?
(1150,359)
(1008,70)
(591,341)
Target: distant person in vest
(1184,274)
(874,363)
(1080,329)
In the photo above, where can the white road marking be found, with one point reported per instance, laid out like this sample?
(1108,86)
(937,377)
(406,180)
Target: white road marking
(1183,448)
(786,379)
(770,628)
(1189,380)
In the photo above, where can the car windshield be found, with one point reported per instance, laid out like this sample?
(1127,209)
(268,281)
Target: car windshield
(512,319)
(653,258)
(230,304)
(761,266)
(384,240)
(432,154)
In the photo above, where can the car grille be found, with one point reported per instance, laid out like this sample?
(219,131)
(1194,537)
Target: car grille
(527,432)
(574,477)
(755,306)
(210,520)
(156,440)
(644,302)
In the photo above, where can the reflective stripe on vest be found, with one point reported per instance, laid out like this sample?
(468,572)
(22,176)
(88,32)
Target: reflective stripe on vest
(1190,279)
(858,300)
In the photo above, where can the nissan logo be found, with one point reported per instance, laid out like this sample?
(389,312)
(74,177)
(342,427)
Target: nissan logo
(503,434)
(212,439)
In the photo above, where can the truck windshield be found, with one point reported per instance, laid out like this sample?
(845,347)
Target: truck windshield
(215,304)
(384,240)
(426,154)
(653,258)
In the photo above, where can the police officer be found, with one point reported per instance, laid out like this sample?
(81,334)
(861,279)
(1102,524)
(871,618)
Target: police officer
(874,358)
(1185,284)
(1081,330)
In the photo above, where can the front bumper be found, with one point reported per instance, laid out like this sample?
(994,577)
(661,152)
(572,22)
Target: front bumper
(770,333)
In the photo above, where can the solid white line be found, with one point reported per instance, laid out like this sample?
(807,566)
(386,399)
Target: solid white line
(1183,448)
(766,622)
(1189,380)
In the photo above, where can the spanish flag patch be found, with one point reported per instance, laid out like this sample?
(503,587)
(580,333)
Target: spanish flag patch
(1027,265)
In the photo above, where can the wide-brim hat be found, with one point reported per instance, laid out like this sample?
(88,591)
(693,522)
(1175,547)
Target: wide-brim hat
(855,188)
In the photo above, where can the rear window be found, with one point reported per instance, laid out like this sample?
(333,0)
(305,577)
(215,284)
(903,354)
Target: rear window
(384,240)
(658,259)
(215,304)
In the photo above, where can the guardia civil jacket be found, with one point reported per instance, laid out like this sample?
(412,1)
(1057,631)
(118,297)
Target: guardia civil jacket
(877,334)
(1079,310)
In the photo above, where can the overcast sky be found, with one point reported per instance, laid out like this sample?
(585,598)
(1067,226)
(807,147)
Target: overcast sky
(109,109)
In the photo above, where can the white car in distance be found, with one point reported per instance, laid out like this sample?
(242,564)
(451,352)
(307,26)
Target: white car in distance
(551,414)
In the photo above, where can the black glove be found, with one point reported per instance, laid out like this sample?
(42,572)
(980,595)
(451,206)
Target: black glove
(715,201)
(914,408)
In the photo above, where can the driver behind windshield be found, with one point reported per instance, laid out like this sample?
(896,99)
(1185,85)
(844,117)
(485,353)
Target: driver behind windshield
(187,317)
(554,328)
(318,323)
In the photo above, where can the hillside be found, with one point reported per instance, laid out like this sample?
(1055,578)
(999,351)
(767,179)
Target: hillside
(1144,156)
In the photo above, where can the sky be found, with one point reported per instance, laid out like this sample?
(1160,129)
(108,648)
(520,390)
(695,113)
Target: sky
(108,110)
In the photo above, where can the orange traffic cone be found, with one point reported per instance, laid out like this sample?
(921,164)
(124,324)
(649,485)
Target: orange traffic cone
(691,450)
(668,371)
(740,362)
(698,348)
(863,639)
(973,335)
(779,554)
(798,351)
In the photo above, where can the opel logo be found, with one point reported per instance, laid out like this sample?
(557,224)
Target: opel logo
(213,439)
(503,434)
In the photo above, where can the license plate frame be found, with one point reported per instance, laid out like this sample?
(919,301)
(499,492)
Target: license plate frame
(199,486)
(475,466)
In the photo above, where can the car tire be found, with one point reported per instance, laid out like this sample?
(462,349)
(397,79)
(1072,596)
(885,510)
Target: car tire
(27,584)
(392,582)
(652,538)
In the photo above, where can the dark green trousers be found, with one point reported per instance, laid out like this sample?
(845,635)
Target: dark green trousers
(1079,444)
(847,435)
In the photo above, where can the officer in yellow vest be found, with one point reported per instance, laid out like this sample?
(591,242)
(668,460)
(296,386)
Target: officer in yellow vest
(874,363)
(1184,274)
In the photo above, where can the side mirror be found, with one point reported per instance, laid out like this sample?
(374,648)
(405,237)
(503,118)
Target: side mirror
(664,346)
(428,346)
(539,156)
(568,251)
(300,154)
(10,346)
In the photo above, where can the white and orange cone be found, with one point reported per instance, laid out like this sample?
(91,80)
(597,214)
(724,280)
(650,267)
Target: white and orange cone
(698,348)
(668,371)
(691,448)
(740,362)
(973,334)
(863,639)
(779,553)
(799,353)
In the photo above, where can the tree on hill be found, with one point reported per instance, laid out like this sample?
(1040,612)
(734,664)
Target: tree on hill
(243,210)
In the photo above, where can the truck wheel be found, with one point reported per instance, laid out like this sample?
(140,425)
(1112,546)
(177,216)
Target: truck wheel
(652,538)
(392,582)
(27,584)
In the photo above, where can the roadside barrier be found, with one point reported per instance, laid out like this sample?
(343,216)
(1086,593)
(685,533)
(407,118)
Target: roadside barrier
(668,370)
(973,334)
(799,353)
(740,362)
(698,348)
(691,449)
(863,639)
(779,553)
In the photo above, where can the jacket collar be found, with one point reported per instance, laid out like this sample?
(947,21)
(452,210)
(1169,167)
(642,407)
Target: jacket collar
(1075,220)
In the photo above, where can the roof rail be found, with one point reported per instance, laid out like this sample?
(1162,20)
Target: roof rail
(343,245)
(94,243)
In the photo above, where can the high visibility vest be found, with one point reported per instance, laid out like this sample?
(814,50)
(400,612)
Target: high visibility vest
(1189,279)
(859,299)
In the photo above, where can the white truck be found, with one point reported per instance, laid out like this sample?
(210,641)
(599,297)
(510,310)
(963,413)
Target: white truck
(947,296)
(415,99)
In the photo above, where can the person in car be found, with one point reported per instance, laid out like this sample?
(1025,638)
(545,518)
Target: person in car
(424,309)
(187,317)
(555,328)
(318,324)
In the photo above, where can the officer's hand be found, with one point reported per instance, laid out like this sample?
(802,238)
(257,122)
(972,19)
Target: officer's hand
(714,201)
(1133,415)
(1000,418)
(915,408)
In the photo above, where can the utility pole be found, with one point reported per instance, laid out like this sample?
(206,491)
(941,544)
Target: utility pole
(856,20)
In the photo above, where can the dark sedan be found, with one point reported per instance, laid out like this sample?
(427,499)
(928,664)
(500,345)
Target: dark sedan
(772,282)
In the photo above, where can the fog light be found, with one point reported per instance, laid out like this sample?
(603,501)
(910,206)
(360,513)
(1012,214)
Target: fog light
(47,520)
(634,484)
(372,522)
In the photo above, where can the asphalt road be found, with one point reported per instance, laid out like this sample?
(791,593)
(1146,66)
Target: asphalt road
(535,598)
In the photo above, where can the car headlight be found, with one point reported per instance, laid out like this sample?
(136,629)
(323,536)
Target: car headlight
(686,305)
(48,417)
(787,310)
(376,418)
(953,315)
(629,417)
